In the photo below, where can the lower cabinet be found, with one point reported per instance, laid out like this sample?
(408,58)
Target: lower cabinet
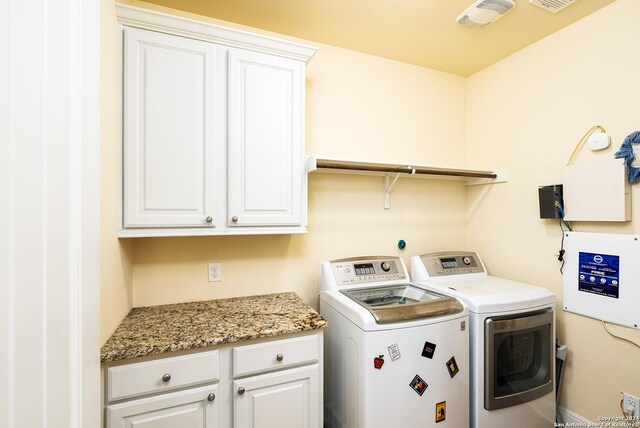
(259,384)
(287,399)
(192,408)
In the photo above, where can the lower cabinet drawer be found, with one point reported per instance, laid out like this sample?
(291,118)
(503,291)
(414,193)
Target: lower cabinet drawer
(132,380)
(252,359)
(193,408)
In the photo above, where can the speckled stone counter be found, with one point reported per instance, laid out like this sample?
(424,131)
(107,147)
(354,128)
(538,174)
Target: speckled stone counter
(158,329)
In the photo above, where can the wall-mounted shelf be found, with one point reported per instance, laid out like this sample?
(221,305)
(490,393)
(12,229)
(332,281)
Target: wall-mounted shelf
(393,171)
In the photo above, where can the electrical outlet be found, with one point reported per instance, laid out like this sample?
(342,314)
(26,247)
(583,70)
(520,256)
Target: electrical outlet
(215,272)
(630,404)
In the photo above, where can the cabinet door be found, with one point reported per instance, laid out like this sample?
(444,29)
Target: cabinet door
(286,399)
(186,409)
(266,138)
(169,89)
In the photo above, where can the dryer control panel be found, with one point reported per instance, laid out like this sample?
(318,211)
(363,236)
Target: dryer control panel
(452,263)
(362,270)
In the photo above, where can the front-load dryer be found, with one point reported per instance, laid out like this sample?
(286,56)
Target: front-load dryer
(395,354)
(512,331)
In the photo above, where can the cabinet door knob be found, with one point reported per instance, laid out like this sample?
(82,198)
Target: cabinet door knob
(240,390)
(166,377)
(209,219)
(279,357)
(211,396)
(234,219)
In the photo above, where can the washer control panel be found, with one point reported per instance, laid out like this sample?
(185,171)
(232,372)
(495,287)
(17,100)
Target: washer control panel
(452,263)
(362,270)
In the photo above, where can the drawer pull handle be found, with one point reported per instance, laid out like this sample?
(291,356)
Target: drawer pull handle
(166,377)
(211,396)
(279,357)
(240,391)
(234,219)
(208,219)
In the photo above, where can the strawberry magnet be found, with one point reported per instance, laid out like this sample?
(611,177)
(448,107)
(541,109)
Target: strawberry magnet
(378,362)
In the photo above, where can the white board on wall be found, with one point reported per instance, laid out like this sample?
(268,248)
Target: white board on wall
(602,276)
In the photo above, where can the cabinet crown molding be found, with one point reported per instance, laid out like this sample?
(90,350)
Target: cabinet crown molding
(180,26)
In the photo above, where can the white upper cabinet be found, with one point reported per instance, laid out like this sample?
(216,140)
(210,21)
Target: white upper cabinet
(213,128)
(170,85)
(265,140)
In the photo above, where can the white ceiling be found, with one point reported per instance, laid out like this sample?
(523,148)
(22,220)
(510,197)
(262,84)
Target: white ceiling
(421,32)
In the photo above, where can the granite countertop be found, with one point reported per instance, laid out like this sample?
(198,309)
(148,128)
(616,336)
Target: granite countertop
(155,330)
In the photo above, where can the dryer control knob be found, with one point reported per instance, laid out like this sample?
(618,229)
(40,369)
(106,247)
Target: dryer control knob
(385,266)
(466,260)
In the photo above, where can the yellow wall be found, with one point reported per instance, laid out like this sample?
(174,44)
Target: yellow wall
(116,291)
(346,219)
(525,114)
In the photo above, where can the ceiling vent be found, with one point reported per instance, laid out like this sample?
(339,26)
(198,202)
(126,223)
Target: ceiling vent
(484,13)
(553,6)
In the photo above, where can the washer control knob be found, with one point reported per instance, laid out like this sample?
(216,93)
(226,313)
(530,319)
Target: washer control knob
(466,260)
(385,266)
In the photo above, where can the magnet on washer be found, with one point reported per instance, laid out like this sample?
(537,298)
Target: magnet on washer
(394,352)
(452,367)
(378,362)
(441,411)
(418,385)
(428,350)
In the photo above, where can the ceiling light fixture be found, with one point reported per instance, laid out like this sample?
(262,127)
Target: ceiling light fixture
(484,13)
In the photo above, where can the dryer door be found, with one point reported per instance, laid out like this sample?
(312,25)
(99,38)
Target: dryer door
(518,358)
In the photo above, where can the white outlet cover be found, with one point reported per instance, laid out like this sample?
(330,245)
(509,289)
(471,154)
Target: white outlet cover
(631,404)
(214,272)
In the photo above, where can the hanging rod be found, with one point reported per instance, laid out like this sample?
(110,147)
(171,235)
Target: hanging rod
(400,169)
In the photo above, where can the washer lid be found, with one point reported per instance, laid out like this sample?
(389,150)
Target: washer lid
(492,294)
(403,302)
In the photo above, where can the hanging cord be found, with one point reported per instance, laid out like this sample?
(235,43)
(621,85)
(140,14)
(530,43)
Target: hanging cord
(561,210)
(604,324)
(561,252)
(625,414)
(583,139)
(561,221)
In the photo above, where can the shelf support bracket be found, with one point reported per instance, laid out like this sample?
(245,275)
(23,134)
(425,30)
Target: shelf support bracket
(388,185)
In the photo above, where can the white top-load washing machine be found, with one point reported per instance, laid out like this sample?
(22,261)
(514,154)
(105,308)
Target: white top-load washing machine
(395,355)
(512,335)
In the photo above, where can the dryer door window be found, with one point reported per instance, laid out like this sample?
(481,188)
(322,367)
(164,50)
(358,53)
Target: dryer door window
(518,359)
